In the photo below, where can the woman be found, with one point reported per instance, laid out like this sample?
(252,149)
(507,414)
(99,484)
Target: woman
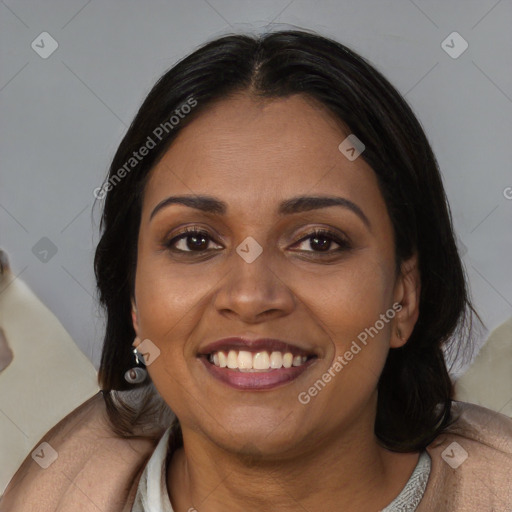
(279,270)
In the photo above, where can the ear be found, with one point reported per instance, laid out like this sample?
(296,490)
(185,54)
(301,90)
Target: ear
(135,317)
(407,294)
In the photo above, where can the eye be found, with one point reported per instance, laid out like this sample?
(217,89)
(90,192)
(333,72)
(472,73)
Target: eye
(196,240)
(191,239)
(321,240)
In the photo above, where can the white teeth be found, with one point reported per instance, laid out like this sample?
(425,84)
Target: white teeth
(223,360)
(232,359)
(261,361)
(276,360)
(246,361)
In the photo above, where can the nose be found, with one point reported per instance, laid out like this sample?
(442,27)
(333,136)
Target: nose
(253,292)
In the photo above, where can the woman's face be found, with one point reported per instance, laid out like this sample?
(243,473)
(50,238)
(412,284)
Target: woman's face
(255,270)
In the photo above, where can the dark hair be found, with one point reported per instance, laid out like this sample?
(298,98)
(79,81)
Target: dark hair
(414,389)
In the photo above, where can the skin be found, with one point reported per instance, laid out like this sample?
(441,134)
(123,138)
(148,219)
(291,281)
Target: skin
(264,449)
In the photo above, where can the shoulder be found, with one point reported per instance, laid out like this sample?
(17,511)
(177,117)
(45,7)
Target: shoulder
(90,467)
(471,462)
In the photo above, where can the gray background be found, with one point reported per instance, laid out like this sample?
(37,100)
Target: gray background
(62,118)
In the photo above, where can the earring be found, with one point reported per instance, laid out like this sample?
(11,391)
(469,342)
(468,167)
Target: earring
(136,375)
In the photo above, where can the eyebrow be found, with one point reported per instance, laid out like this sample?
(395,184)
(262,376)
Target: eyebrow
(290,206)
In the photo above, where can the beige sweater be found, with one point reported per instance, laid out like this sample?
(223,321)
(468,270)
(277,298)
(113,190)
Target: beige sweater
(96,470)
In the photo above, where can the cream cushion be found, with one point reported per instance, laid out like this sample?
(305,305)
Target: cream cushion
(47,378)
(488,381)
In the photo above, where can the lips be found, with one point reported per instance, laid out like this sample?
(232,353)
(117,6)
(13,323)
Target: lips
(255,364)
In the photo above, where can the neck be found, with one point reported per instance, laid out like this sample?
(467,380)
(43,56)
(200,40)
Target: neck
(349,472)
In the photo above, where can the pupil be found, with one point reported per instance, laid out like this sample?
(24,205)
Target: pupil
(198,242)
(322,246)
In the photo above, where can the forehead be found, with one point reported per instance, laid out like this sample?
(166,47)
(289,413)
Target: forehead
(244,149)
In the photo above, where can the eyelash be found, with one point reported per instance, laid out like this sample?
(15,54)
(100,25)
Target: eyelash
(344,244)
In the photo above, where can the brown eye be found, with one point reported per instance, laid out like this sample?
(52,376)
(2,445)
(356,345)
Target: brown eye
(321,240)
(191,240)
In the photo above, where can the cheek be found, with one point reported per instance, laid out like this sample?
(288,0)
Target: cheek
(350,375)
(352,298)
(167,316)
(165,305)
(170,304)
(356,314)
(168,296)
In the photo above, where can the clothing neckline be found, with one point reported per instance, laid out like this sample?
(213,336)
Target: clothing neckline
(152,493)
(413,491)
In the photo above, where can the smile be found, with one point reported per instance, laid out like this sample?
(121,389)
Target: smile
(246,361)
(256,371)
